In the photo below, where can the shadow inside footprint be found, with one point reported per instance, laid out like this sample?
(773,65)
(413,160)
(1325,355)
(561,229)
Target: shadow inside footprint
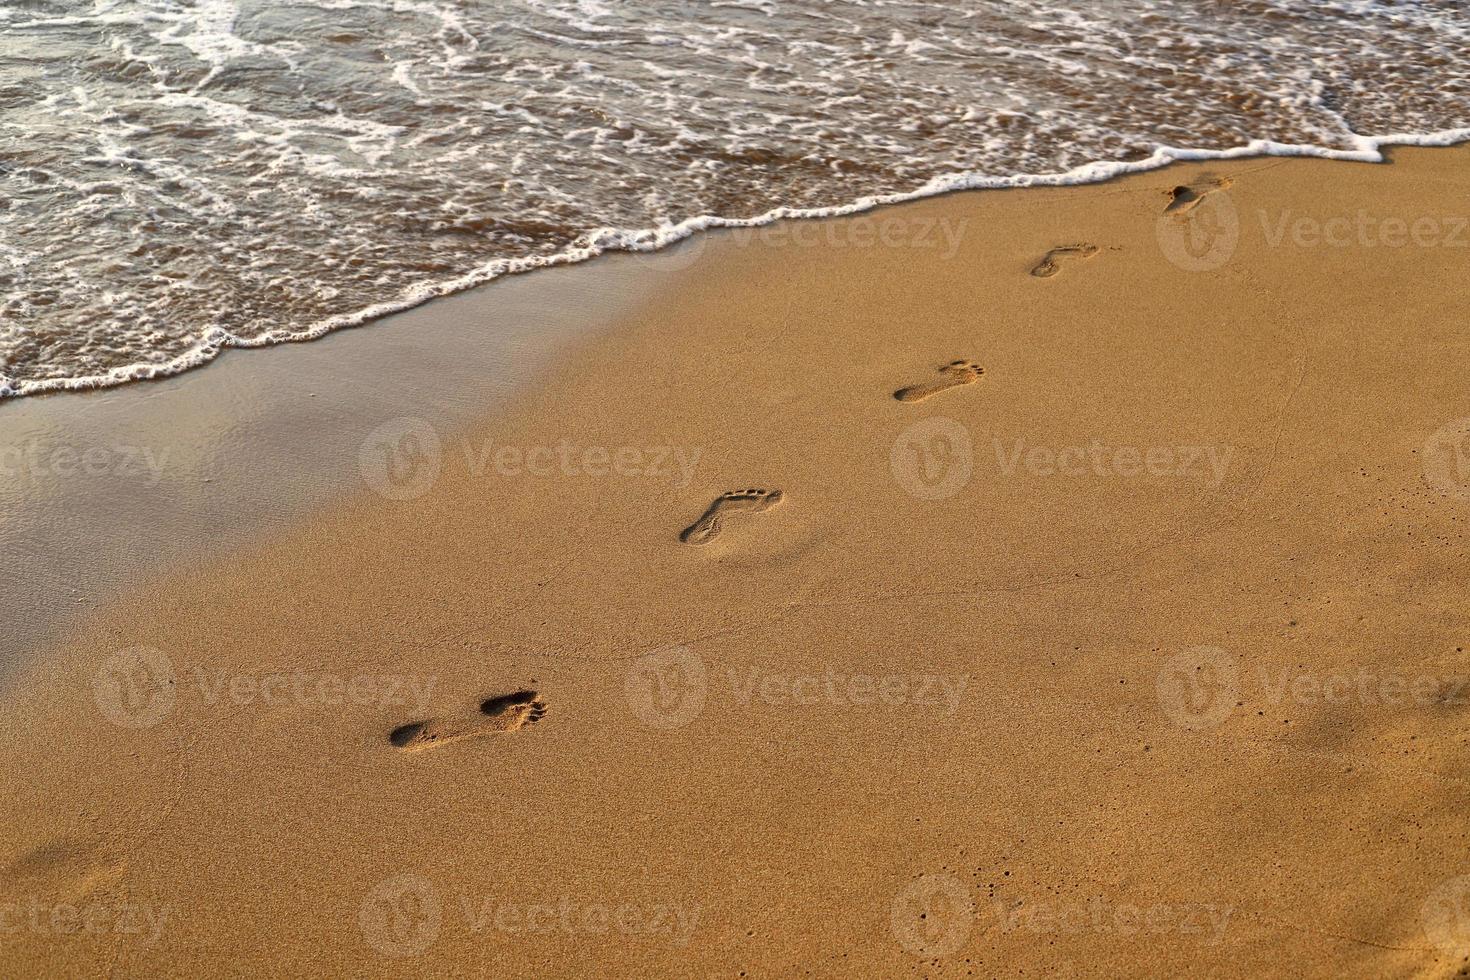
(414,733)
(952,375)
(67,867)
(505,704)
(499,714)
(1050,263)
(711,522)
(1186,197)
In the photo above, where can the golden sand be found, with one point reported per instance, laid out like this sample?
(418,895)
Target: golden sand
(1049,582)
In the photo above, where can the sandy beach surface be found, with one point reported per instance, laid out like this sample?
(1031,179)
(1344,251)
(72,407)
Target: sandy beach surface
(1054,582)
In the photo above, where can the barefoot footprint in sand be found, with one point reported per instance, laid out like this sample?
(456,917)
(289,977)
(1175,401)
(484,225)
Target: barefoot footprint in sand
(1186,197)
(1050,263)
(952,375)
(498,715)
(711,523)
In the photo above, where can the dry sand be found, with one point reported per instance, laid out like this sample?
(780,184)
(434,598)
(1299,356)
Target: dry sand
(1134,646)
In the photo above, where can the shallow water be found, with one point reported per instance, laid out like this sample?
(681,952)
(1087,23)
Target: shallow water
(179,176)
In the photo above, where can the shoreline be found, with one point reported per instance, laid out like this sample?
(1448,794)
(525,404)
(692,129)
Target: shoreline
(1052,637)
(1368,149)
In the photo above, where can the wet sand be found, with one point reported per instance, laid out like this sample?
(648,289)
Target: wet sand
(1051,582)
(111,487)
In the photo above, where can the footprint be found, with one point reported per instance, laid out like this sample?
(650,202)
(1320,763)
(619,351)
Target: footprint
(1050,263)
(68,868)
(952,375)
(708,527)
(500,714)
(1186,197)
